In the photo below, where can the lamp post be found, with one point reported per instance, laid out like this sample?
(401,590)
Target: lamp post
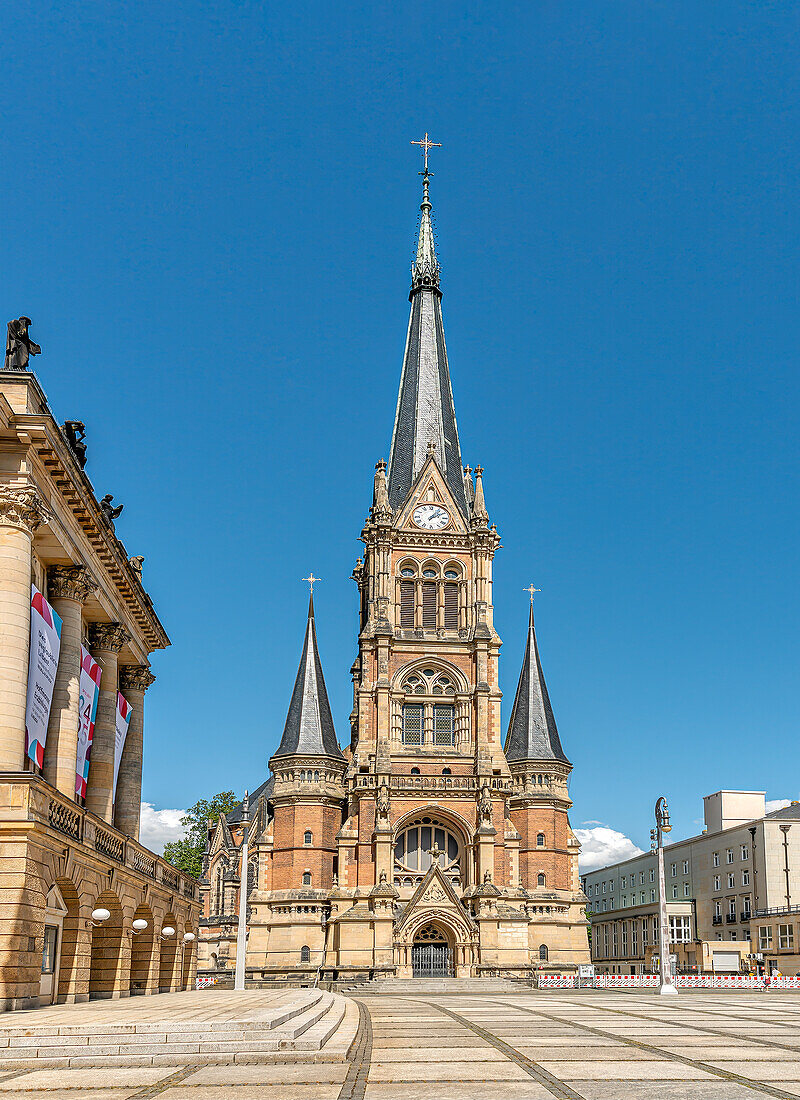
(241,930)
(657,838)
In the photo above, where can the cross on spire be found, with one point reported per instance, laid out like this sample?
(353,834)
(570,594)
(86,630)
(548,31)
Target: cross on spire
(426,145)
(312,580)
(531,590)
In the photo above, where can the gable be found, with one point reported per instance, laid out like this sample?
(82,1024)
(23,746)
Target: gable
(430,488)
(434,894)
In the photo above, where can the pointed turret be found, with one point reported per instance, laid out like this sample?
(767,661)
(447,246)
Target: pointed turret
(425,411)
(532,732)
(309,724)
(479,514)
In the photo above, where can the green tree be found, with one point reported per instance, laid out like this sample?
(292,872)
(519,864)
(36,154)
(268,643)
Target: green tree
(187,853)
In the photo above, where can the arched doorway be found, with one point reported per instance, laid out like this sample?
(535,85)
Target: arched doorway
(71,968)
(168,976)
(141,953)
(106,964)
(432,953)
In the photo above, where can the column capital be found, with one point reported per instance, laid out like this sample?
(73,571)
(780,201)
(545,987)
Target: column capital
(70,582)
(135,678)
(108,636)
(22,506)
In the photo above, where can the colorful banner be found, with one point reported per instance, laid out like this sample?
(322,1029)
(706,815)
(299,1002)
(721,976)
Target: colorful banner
(90,693)
(124,711)
(42,665)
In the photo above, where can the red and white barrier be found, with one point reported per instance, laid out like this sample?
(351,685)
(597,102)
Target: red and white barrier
(205,981)
(556,981)
(682,981)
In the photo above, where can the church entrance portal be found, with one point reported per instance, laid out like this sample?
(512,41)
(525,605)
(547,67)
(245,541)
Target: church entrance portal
(431,954)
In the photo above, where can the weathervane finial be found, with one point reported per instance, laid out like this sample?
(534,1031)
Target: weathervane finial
(531,590)
(312,580)
(426,145)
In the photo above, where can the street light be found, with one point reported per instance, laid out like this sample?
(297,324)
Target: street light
(139,926)
(241,929)
(657,844)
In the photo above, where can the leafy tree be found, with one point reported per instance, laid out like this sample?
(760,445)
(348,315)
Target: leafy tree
(187,853)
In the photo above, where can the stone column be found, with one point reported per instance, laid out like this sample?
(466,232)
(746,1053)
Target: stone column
(106,640)
(67,588)
(21,512)
(134,680)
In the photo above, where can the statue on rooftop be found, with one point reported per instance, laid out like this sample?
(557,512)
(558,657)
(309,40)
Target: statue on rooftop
(109,512)
(75,431)
(19,346)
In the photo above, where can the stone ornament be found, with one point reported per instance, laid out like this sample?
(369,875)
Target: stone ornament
(70,582)
(22,507)
(109,512)
(108,636)
(19,346)
(485,806)
(135,678)
(383,804)
(75,431)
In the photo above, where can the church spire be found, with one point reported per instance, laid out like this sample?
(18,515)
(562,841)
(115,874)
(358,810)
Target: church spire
(425,411)
(532,732)
(309,724)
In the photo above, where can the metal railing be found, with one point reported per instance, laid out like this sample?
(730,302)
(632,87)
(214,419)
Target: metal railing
(777,911)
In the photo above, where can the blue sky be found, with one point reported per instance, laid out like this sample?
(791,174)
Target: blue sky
(209,212)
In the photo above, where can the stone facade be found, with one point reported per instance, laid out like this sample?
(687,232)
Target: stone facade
(424,847)
(61,860)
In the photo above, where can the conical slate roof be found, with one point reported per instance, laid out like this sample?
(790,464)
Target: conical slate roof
(532,732)
(309,723)
(425,411)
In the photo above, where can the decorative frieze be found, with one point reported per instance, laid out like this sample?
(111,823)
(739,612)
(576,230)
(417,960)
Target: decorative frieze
(108,636)
(22,507)
(135,678)
(70,582)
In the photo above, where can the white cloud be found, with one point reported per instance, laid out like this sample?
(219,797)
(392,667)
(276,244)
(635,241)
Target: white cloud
(159,826)
(602,845)
(777,804)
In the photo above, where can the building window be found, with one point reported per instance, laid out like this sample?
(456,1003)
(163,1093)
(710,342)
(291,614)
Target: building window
(718,910)
(746,911)
(415,771)
(451,607)
(305,954)
(407,603)
(729,855)
(717,882)
(443,725)
(673,869)
(785,936)
(428,604)
(49,949)
(686,866)
(715,859)
(540,844)
(745,878)
(652,874)
(675,890)
(641,878)
(686,890)
(679,929)
(540,879)
(307,837)
(731,882)
(624,881)
(412,851)
(764,938)
(624,900)
(733,936)
(652,895)
(641,897)
(306,878)
(731,909)
(543,952)
(412,725)
(542,836)
(745,852)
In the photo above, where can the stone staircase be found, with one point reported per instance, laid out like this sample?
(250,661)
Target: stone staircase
(400,986)
(303,1025)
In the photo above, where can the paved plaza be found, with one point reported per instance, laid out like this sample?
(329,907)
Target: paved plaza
(589,1044)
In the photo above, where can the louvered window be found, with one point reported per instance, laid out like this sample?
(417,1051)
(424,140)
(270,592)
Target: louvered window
(443,725)
(412,725)
(451,607)
(407,605)
(429,607)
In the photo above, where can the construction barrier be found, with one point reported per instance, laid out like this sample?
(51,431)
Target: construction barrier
(682,981)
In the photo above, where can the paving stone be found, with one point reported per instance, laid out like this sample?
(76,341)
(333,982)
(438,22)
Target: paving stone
(625,1071)
(269,1074)
(504,1090)
(251,1092)
(468,1072)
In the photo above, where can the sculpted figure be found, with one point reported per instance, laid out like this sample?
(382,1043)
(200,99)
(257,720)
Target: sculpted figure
(75,431)
(137,563)
(19,346)
(382,801)
(485,806)
(110,513)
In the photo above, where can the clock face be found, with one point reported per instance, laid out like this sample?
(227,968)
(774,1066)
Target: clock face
(431,517)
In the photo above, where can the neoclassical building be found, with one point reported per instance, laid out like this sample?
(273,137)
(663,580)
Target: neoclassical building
(73,876)
(432,845)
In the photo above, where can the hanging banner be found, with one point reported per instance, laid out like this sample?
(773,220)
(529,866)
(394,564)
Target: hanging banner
(124,711)
(42,665)
(90,693)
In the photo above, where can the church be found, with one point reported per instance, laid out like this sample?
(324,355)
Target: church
(431,845)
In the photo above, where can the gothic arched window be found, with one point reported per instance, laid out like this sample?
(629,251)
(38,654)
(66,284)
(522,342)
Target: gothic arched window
(540,879)
(305,954)
(429,715)
(540,840)
(428,597)
(543,953)
(306,878)
(414,846)
(307,837)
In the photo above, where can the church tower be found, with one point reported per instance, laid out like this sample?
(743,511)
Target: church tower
(426,848)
